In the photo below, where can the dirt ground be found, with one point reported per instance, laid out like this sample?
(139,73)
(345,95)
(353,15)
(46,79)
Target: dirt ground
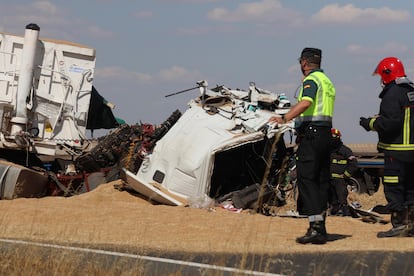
(109,216)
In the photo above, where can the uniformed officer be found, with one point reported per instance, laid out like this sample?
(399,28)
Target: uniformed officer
(313,122)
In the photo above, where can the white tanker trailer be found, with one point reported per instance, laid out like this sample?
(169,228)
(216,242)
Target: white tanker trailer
(46,92)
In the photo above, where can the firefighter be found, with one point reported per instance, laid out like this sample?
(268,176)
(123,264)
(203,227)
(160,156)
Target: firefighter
(343,165)
(313,122)
(395,127)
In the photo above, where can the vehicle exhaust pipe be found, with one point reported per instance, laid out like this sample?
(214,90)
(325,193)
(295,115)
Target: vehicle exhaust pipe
(31,38)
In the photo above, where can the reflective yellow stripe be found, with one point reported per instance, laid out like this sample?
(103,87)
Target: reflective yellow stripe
(340,162)
(406,130)
(397,147)
(405,145)
(391,179)
(335,175)
(371,123)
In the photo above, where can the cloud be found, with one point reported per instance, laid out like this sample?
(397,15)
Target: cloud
(247,12)
(203,30)
(174,73)
(54,21)
(42,13)
(186,1)
(349,14)
(45,7)
(386,49)
(177,73)
(265,11)
(191,31)
(119,73)
(197,1)
(143,14)
(98,32)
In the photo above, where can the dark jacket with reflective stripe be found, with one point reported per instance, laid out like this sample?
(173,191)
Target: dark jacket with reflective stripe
(343,162)
(395,123)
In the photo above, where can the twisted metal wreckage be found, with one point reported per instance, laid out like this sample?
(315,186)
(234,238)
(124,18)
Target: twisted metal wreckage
(221,148)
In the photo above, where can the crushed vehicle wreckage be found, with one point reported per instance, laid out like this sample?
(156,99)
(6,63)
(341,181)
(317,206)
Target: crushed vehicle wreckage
(222,147)
(221,144)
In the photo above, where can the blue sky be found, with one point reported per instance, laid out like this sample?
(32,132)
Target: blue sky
(147,49)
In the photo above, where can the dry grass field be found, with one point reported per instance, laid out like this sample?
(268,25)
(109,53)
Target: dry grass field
(109,218)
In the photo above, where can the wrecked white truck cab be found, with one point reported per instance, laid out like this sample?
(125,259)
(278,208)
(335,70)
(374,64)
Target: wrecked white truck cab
(217,146)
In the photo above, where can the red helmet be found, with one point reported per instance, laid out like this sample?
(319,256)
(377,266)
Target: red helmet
(389,69)
(335,133)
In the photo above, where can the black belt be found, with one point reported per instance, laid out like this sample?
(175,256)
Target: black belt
(302,131)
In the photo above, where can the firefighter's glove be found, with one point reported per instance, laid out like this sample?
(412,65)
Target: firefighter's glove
(364,122)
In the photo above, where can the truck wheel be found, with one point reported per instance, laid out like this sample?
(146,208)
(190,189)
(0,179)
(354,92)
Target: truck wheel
(353,185)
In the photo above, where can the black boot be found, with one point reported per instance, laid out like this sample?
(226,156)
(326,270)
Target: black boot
(316,234)
(410,223)
(399,225)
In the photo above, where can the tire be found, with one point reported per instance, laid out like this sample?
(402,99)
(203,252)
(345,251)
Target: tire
(353,185)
